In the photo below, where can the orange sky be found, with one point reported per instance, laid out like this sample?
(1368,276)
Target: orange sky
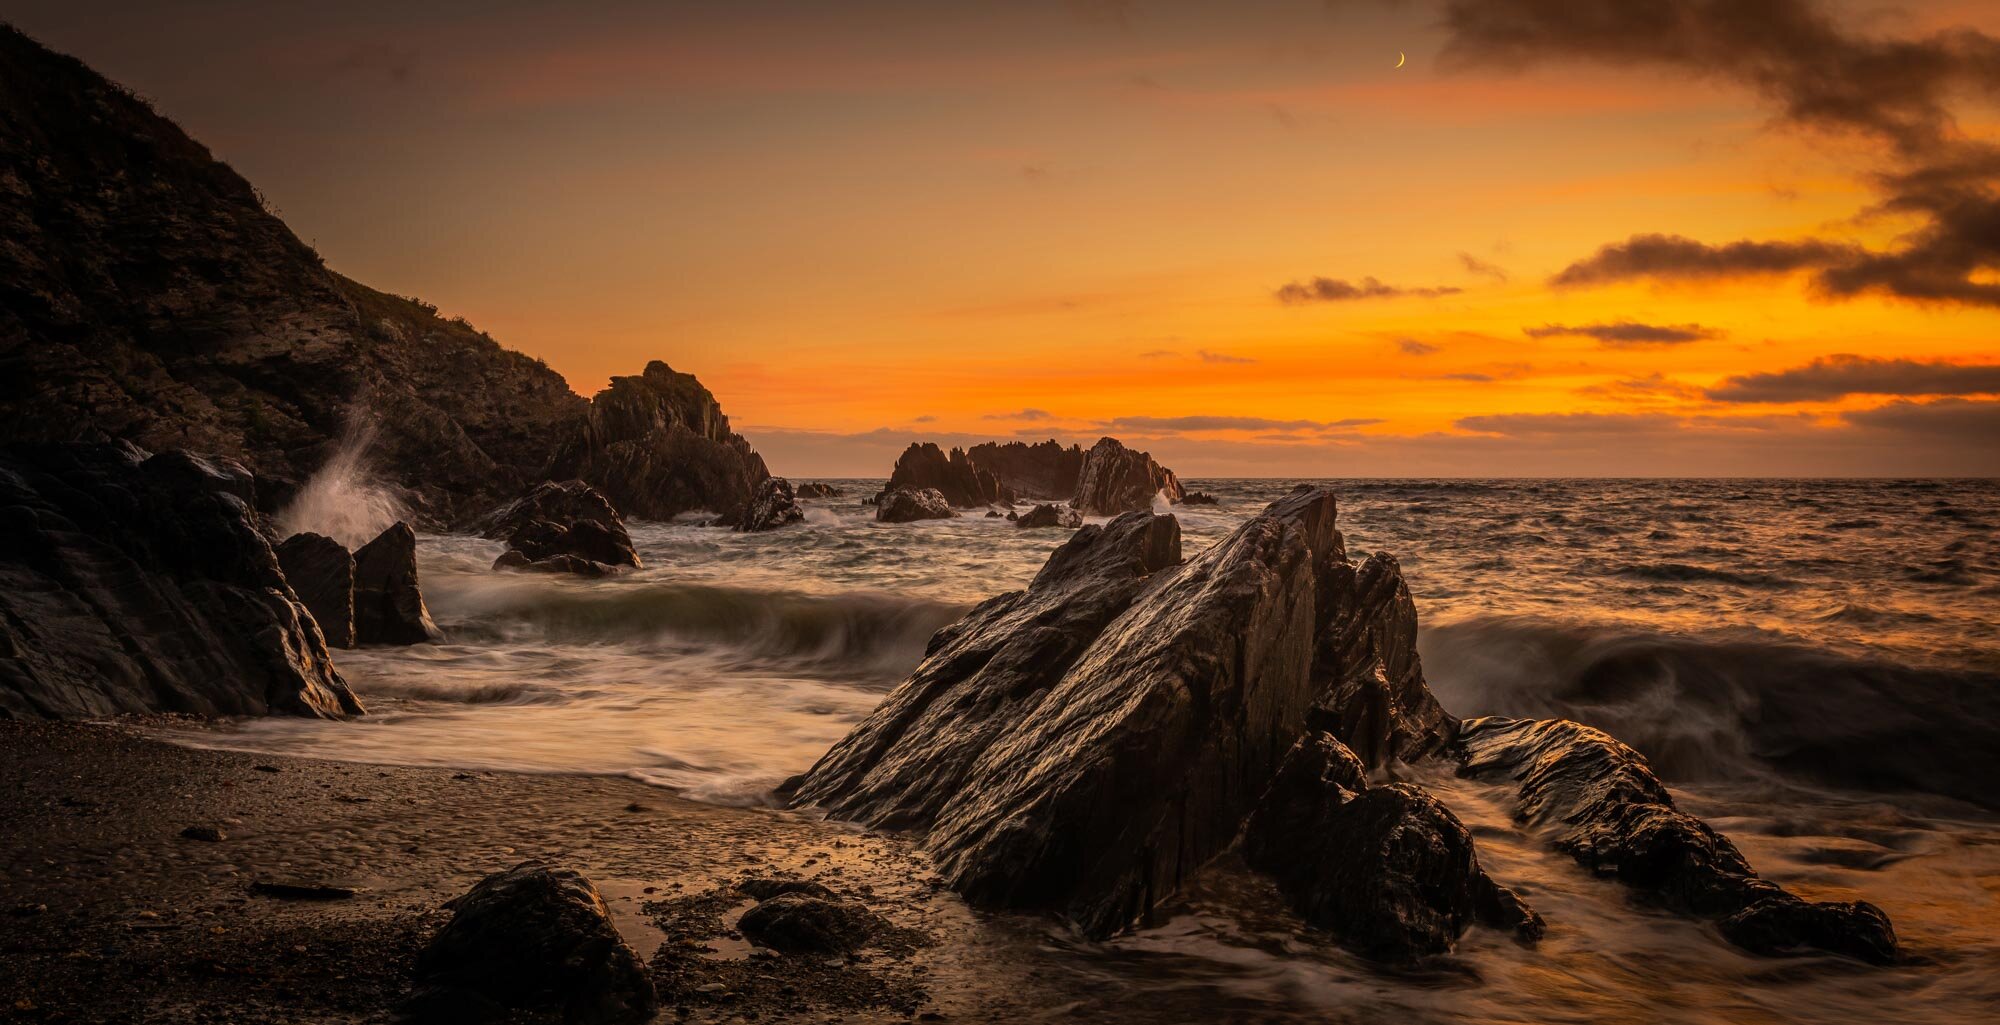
(863,224)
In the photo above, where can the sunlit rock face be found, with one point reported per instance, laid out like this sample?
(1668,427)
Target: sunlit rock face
(1115,479)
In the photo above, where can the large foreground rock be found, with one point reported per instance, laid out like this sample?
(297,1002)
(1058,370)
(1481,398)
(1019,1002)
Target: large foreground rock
(137,583)
(906,506)
(1389,870)
(388,597)
(321,573)
(809,923)
(773,505)
(1087,744)
(532,938)
(1374,697)
(1607,809)
(963,484)
(1115,479)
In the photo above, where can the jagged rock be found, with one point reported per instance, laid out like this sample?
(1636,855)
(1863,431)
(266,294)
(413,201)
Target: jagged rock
(570,565)
(1199,498)
(658,445)
(963,484)
(799,922)
(533,938)
(1087,744)
(1374,698)
(1388,870)
(564,502)
(388,600)
(1049,516)
(818,489)
(556,527)
(1115,479)
(322,575)
(136,583)
(1045,470)
(772,506)
(1612,814)
(904,506)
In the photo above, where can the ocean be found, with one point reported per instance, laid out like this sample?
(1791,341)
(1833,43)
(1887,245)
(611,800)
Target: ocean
(1813,665)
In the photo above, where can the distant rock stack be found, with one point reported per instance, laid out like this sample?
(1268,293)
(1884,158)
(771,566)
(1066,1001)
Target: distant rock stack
(963,484)
(1116,479)
(1045,471)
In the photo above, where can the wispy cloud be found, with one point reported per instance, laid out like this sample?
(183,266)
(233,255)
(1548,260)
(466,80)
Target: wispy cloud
(1231,423)
(1626,333)
(1413,347)
(1482,268)
(1222,357)
(1023,414)
(1333,290)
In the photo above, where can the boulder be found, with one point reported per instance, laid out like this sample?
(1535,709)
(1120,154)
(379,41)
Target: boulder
(388,600)
(534,939)
(773,505)
(1049,516)
(1045,470)
(140,583)
(570,518)
(1087,744)
(963,484)
(1373,694)
(658,445)
(1613,815)
(322,575)
(1115,479)
(800,922)
(1388,869)
(818,489)
(904,506)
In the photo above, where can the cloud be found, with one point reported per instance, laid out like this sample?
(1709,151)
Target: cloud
(1023,414)
(1158,354)
(1833,377)
(1230,423)
(1222,357)
(1412,347)
(1476,378)
(1331,290)
(1481,267)
(1626,333)
(1652,388)
(1533,425)
(1819,75)
(925,419)
(1947,418)
(1675,257)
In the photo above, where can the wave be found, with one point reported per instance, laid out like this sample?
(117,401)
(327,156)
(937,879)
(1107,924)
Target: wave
(1724,708)
(1682,572)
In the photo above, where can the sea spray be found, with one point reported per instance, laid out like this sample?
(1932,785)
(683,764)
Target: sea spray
(342,499)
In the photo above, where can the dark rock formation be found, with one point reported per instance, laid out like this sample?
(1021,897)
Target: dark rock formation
(1388,870)
(532,938)
(1049,516)
(131,583)
(1087,744)
(818,489)
(570,565)
(148,294)
(388,601)
(563,502)
(1199,498)
(1115,479)
(322,575)
(1613,815)
(904,505)
(1373,695)
(567,527)
(806,923)
(773,505)
(963,484)
(658,445)
(1045,470)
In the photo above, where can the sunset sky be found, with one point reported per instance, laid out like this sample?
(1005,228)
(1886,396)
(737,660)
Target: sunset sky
(1583,237)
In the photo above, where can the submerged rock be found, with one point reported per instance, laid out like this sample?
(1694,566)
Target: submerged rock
(963,484)
(569,565)
(1115,479)
(388,601)
(533,938)
(904,506)
(322,575)
(137,583)
(1613,815)
(567,527)
(1388,870)
(1199,498)
(818,489)
(773,505)
(1049,516)
(800,922)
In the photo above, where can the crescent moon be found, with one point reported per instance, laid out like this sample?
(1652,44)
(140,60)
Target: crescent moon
(1401,57)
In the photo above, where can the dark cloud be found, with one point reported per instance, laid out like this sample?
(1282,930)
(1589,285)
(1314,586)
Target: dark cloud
(1626,333)
(1975,419)
(1030,413)
(1333,290)
(924,420)
(1834,377)
(1230,423)
(1413,347)
(1481,267)
(1819,74)
(1222,357)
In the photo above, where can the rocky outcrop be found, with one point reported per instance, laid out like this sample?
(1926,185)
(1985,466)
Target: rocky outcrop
(963,484)
(773,505)
(137,583)
(1049,516)
(904,505)
(1115,479)
(1085,745)
(1199,498)
(1045,470)
(658,445)
(1610,813)
(533,939)
(1373,694)
(818,489)
(388,599)
(322,575)
(566,527)
(1389,870)
(801,922)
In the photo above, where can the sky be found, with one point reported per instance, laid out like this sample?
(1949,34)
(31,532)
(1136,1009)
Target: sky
(1564,237)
